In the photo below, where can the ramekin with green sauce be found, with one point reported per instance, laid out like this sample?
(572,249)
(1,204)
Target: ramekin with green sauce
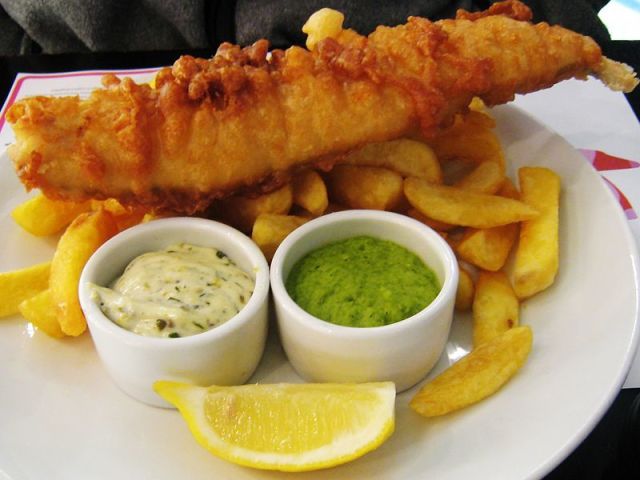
(386,290)
(362,281)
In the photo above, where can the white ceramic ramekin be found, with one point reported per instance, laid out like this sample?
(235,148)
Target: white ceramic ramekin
(225,355)
(402,352)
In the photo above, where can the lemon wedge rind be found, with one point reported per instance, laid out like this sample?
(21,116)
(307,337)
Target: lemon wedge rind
(304,438)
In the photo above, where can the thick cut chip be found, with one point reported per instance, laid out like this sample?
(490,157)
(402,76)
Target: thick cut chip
(509,190)
(477,105)
(461,207)
(124,216)
(242,211)
(83,237)
(270,230)
(310,192)
(41,216)
(111,205)
(472,138)
(496,308)
(409,158)
(536,256)
(39,310)
(486,177)
(130,219)
(477,375)
(487,248)
(365,187)
(288,427)
(325,23)
(18,285)
(465,291)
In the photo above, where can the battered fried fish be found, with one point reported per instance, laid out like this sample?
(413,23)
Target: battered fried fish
(247,118)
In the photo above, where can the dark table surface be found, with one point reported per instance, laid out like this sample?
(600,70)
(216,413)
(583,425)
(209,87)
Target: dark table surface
(611,451)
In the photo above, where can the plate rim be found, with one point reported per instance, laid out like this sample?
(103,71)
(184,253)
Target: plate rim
(633,343)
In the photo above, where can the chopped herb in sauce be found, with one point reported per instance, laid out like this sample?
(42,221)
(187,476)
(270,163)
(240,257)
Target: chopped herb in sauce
(180,291)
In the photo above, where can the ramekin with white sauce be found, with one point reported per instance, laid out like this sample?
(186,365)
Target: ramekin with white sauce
(137,351)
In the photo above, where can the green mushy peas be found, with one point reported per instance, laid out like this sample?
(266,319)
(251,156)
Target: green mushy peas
(362,282)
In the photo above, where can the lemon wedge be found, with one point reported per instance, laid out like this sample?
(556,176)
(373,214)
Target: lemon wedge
(288,427)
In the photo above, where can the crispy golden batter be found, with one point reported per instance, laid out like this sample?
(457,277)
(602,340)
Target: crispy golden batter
(245,119)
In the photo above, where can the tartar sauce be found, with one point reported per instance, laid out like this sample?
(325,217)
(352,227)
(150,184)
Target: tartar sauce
(180,291)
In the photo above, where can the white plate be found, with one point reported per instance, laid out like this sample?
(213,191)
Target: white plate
(61,417)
